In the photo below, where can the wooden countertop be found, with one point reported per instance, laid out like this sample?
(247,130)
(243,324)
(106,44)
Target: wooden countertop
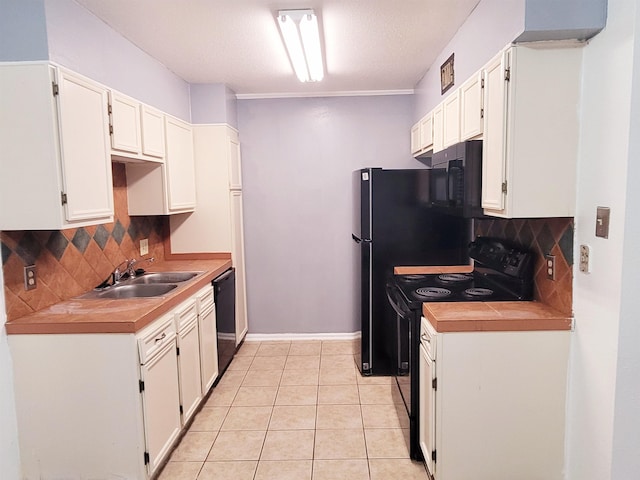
(494,316)
(119,316)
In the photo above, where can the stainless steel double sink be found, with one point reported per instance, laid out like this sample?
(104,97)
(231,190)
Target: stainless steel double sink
(153,284)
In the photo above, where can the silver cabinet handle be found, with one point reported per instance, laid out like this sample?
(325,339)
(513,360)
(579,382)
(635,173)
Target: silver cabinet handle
(161,337)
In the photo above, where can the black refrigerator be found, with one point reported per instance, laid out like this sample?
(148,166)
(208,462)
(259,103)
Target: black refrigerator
(394,225)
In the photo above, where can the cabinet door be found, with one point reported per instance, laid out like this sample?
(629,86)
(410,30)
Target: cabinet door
(189,368)
(495,134)
(181,177)
(161,403)
(235,163)
(85,149)
(426,132)
(125,123)
(152,124)
(237,255)
(471,107)
(415,139)
(438,128)
(208,347)
(427,412)
(451,133)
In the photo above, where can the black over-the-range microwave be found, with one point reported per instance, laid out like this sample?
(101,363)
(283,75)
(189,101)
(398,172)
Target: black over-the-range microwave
(455,185)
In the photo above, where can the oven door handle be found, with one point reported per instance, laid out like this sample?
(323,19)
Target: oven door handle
(390,294)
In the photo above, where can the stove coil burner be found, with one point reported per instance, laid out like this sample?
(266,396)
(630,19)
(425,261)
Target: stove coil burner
(455,278)
(478,292)
(432,292)
(413,277)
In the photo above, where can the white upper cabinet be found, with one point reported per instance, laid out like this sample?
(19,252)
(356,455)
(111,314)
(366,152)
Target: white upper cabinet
(451,119)
(181,175)
(235,166)
(471,112)
(54,131)
(438,128)
(125,123)
(165,188)
(137,130)
(426,132)
(422,135)
(152,126)
(530,140)
(416,147)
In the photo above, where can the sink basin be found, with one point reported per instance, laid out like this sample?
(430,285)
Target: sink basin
(132,291)
(163,277)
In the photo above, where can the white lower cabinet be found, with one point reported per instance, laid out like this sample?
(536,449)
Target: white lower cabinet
(188,359)
(106,405)
(500,400)
(159,389)
(208,338)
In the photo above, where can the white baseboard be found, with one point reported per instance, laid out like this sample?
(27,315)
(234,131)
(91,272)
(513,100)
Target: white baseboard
(271,337)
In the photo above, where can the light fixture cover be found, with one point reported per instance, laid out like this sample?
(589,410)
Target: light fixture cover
(301,36)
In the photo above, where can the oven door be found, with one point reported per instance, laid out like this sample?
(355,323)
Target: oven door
(404,320)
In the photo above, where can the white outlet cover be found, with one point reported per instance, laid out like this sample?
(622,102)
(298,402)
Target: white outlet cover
(144,246)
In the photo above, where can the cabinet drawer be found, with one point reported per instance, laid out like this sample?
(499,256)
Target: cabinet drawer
(428,337)
(155,336)
(186,313)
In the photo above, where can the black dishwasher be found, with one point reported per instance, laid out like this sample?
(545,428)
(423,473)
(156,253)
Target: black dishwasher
(224,294)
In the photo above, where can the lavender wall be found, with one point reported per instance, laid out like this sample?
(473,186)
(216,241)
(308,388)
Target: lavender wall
(297,159)
(23,33)
(85,44)
(213,103)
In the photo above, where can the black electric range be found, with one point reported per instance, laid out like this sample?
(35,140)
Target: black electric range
(502,272)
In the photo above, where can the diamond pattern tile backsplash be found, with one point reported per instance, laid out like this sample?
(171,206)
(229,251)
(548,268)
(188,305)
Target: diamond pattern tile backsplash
(542,236)
(73,261)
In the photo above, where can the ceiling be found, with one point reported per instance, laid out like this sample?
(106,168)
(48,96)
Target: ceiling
(369,45)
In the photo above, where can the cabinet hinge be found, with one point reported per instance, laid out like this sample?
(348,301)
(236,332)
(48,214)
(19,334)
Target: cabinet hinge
(141,385)
(434,384)
(181,410)
(177,350)
(482,113)
(146,458)
(110,129)
(55,89)
(109,109)
(433,455)
(63,198)
(482,83)
(507,74)
(504,187)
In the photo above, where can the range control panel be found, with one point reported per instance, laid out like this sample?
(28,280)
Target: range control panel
(501,256)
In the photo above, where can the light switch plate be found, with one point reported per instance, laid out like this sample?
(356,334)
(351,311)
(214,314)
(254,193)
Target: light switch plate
(602,222)
(144,246)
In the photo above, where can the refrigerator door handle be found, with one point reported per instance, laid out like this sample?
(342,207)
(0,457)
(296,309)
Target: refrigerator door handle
(359,240)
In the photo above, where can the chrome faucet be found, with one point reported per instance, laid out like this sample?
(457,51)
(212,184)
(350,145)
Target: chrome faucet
(131,263)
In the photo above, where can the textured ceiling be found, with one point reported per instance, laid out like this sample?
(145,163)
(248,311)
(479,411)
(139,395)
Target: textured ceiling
(369,44)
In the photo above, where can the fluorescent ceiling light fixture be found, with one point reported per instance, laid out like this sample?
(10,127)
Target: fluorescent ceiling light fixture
(302,38)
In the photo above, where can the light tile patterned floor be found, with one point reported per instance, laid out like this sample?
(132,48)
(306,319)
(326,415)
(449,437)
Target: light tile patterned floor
(297,411)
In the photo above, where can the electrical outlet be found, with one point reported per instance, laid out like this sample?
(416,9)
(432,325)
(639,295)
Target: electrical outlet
(144,246)
(551,266)
(30,277)
(585,264)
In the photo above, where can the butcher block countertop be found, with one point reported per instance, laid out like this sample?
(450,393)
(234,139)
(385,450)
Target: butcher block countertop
(494,316)
(119,315)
